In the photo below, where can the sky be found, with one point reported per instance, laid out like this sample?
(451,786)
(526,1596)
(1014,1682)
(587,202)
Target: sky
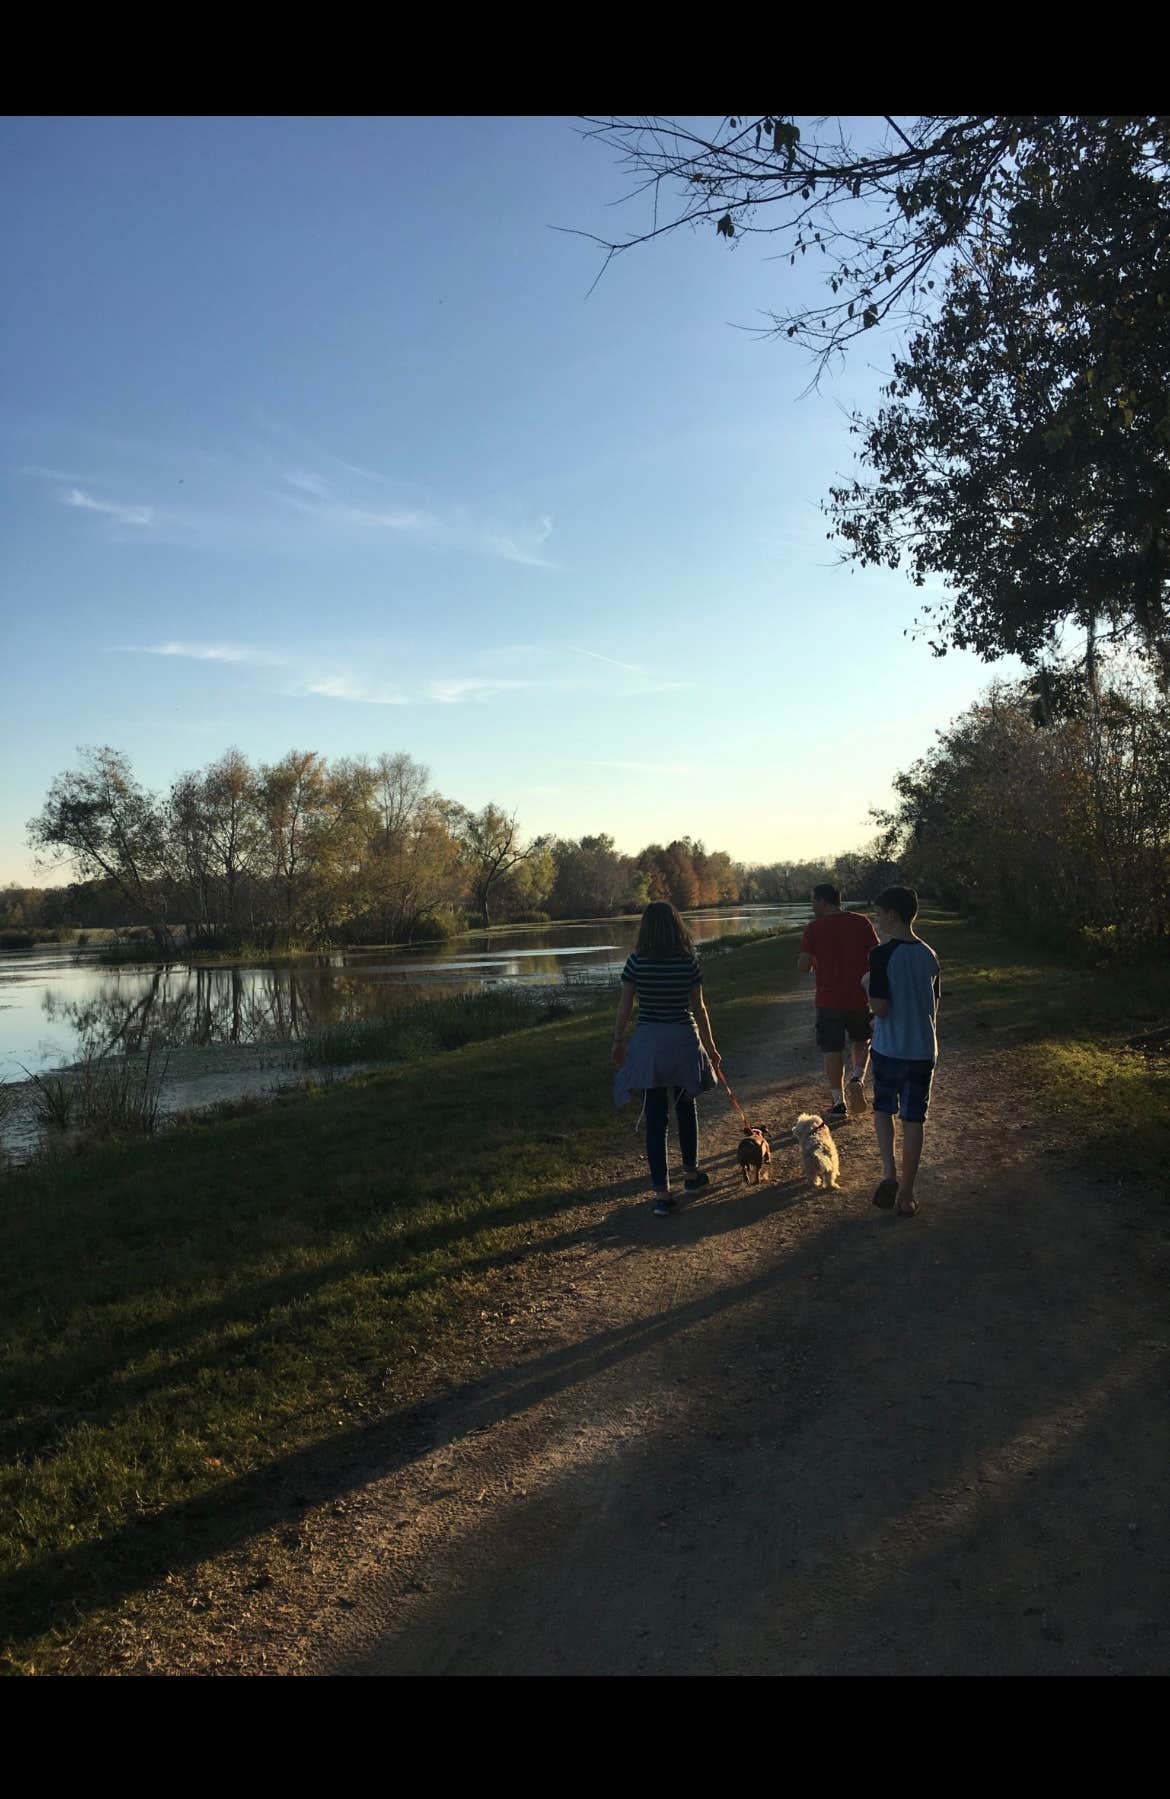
(312,435)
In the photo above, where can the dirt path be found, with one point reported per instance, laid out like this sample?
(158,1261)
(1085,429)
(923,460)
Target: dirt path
(782,1433)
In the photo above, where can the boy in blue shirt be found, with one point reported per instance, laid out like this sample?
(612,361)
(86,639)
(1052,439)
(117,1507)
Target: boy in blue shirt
(903,986)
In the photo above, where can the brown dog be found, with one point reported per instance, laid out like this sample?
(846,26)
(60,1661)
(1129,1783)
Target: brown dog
(754,1153)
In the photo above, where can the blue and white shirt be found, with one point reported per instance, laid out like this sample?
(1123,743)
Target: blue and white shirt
(905,972)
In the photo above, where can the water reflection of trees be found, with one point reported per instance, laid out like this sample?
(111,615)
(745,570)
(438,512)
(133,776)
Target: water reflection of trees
(183,1006)
(247,1006)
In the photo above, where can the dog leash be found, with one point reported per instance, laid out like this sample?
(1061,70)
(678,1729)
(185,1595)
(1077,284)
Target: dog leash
(771,1137)
(734,1101)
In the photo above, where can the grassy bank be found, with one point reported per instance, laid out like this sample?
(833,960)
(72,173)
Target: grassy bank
(200,1328)
(1064,1028)
(21,939)
(429,1026)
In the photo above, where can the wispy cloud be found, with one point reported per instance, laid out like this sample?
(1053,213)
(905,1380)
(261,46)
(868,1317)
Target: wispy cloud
(268,495)
(338,515)
(51,474)
(309,484)
(125,515)
(632,667)
(474,687)
(381,675)
(648,686)
(521,546)
(648,768)
(440,529)
(211,652)
(348,687)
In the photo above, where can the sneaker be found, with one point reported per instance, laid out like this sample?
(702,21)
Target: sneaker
(886,1194)
(837,1113)
(664,1205)
(693,1182)
(855,1097)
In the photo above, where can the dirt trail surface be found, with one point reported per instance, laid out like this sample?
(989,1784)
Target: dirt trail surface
(779,1433)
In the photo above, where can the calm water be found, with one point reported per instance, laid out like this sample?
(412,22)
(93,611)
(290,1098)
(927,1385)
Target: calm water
(55,1000)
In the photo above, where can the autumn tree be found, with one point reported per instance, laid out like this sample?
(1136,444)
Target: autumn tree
(230,797)
(678,872)
(492,848)
(292,792)
(413,850)
(100,820)
(593,878)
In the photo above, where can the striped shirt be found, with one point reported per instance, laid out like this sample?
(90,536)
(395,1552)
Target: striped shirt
(663,988)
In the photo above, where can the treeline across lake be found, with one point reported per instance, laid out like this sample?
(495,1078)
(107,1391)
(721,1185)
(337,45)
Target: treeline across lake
(358,850)
(1043,809)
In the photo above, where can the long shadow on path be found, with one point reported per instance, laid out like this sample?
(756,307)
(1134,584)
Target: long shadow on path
(929,1447)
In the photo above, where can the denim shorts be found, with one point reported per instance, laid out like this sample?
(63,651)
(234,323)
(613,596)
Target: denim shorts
(901,1087)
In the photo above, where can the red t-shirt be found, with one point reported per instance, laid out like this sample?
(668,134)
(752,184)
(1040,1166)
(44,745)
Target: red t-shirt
(839,944)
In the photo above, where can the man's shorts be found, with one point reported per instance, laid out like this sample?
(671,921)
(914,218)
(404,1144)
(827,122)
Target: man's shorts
(901,1087)
(834,1026)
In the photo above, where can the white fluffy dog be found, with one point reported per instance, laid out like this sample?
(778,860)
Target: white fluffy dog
(818,1152)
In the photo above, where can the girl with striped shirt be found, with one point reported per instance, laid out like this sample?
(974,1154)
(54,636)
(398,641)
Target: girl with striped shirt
(672,1050)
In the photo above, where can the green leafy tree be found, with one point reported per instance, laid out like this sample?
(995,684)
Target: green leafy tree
(1021,455)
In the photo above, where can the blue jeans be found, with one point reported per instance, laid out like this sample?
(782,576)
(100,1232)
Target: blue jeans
(657,1118)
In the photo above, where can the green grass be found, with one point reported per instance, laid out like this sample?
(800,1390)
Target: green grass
(120,1095)
(201,1329)
(1064,1027)
(111,1096)
(13,939)
(737,940)
(54,1101)
(7,1101)
(430,1025)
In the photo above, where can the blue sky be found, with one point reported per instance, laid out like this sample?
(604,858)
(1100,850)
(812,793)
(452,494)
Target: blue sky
(311,437)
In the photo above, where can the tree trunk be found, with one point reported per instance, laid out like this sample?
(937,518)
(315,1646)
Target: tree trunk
(164,940)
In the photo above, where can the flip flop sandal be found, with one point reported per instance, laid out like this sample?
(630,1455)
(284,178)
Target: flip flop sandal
(886,1194)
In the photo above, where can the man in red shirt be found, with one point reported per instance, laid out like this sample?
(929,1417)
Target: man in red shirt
(836,945)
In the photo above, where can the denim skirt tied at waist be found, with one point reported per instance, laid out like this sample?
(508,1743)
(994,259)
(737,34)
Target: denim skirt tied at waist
(664,1055)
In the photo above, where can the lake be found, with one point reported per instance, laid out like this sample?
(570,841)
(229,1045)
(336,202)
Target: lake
(57,1001)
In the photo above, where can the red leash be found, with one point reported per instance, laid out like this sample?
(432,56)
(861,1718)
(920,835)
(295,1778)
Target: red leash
(734,1101)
